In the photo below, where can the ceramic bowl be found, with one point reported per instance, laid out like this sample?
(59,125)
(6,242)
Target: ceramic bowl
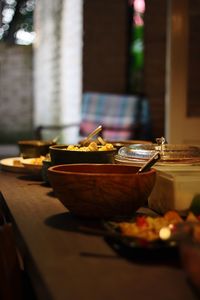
(59,155)
(101,190)
(34,148)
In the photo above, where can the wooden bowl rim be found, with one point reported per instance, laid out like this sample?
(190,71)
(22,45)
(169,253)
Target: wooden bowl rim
(36,143)
(53,169)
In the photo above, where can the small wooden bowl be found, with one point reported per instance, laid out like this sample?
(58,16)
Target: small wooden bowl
(34,148)
(101,190)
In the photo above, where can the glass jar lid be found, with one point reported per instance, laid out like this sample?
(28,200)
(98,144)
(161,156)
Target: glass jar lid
(168,152)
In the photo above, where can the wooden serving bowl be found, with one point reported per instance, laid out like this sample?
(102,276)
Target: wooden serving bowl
(101,190)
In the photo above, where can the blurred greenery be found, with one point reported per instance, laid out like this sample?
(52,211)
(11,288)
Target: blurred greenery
(137,59)
(23,12)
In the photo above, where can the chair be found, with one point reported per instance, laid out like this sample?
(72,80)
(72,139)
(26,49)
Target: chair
(10,274)
(123,117)
(13,283)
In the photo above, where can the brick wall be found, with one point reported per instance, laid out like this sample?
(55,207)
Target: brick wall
(15,93)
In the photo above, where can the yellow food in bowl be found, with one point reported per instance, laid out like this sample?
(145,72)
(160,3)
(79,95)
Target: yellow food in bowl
(91,147)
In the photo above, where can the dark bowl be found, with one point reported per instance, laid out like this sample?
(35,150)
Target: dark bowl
(101,190)
(34,148)
(59,155)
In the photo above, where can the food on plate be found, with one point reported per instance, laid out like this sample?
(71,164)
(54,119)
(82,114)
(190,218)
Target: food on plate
(172,217)
(37,160)
(91,147)
(17,162)
(149,228)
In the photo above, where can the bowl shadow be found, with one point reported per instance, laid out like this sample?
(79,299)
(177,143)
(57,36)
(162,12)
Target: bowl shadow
(69,222)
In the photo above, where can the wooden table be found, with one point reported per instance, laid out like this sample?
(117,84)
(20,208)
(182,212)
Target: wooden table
(66,264)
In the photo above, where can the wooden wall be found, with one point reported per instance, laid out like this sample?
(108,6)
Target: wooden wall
(154,64)
(105,46)
(193,107)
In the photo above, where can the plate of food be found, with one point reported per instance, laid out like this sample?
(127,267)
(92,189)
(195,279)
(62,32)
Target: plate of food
(34,165)
(12,164)
(145,237)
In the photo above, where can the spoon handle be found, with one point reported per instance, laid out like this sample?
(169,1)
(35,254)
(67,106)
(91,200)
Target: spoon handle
(93,133)
(150,163)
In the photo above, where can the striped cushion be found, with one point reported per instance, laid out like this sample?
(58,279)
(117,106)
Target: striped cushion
(120,115)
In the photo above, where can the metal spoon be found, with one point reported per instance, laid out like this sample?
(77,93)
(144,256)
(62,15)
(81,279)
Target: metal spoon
(146,167)
(93,133)
(54,140)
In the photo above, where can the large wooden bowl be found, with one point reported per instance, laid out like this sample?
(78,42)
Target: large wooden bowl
(101,190)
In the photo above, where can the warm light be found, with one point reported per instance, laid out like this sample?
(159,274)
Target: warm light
(165,233)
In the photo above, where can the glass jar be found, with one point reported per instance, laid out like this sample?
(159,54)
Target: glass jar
(170,154)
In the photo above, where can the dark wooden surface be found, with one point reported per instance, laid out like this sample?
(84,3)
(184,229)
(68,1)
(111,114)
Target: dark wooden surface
(66,263)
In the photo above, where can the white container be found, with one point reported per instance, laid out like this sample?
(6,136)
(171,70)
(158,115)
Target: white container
(175,188)
(178,173)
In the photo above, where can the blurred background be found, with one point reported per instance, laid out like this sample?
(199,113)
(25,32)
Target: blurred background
(53,51)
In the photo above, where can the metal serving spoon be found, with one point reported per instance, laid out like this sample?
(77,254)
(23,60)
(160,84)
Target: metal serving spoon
(93,133)
(146,167)
(55,139)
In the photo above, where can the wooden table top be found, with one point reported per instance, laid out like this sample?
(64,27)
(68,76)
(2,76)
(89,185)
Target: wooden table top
(66,263)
